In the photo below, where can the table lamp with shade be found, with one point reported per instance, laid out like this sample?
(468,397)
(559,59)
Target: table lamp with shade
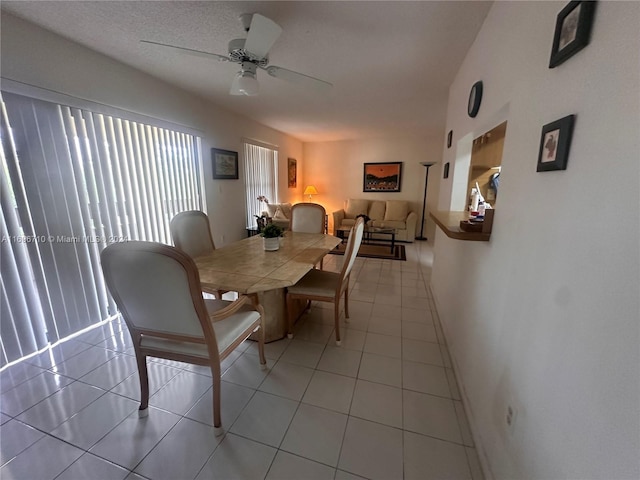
(310,190)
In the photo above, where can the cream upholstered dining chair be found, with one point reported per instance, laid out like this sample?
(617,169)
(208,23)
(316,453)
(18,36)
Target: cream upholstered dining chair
(308,218)
(190,233)
(325,286)
(157,289)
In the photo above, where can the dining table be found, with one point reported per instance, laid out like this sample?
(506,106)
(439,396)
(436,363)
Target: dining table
(247,268)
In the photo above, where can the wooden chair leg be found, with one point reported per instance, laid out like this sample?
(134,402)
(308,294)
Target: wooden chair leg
(263,359)
(262,334)
(336,314)
(217,419)
(346,302)
(143,410)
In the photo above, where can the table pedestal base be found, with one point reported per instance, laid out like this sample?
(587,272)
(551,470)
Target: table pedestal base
(274,303)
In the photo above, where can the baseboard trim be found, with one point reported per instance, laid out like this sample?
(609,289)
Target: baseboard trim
(477,439)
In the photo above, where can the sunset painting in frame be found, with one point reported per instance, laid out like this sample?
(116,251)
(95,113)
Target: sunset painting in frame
(382,177)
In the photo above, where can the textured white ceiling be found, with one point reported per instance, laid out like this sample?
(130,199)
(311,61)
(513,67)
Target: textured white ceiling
(391,63)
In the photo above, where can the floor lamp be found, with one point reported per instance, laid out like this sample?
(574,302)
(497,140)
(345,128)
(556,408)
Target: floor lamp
(424,202)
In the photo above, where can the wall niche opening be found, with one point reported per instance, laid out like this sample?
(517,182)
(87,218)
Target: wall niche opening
(486,162)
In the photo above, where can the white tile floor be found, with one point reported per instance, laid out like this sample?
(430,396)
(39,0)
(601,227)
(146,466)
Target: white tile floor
(384,405)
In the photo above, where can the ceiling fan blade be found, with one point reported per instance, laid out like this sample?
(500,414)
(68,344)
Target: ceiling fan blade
(263,33)
(298,78)
(190,51)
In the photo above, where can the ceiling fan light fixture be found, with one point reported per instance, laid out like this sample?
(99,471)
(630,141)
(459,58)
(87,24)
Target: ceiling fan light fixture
(246,82)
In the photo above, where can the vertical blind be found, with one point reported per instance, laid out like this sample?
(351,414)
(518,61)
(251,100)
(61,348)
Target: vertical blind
(260,178)
(72,182)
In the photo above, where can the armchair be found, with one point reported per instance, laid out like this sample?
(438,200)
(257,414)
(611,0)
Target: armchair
(280,214)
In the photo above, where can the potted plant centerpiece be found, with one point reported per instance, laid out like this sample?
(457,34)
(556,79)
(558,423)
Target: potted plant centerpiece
(271,234)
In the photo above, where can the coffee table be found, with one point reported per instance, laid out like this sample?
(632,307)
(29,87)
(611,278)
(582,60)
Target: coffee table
(367,237)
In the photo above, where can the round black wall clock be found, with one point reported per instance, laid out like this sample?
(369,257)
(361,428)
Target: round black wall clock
(475,97)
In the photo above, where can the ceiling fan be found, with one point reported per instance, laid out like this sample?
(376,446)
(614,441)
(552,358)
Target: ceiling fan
(251,54)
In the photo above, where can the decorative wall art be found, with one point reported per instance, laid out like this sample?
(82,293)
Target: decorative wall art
(292,172)
(382,177)
(554,144)
(475,98)
(225,164)
(573,31)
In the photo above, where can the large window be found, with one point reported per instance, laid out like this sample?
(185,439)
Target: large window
(260,178)
(72,182)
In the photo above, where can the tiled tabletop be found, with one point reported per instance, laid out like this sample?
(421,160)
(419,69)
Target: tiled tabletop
(245,266)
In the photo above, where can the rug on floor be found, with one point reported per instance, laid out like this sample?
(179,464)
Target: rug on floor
(375,251)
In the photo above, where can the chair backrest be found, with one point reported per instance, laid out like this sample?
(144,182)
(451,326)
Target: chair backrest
(191,233)
(308,218)
(157,289)
(353,245)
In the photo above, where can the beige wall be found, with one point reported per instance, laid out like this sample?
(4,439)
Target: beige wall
(336,169)
(545,316)
(40,58)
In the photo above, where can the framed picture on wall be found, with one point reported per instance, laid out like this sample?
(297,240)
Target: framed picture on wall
(292,172)
(225,164)
(554,144)
(445,173)
(382,177)
(573,31)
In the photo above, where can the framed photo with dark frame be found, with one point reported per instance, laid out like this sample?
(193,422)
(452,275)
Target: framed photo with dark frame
(225,164)
(382,177)
(573,31)
(554,144)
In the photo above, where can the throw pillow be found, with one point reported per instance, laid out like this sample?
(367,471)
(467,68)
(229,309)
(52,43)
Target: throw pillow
(376,210)
(396,210)
(356,207)
(286,209)
(279,215)
(271,208)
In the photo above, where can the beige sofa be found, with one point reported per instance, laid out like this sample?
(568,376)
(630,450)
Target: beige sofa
(279,213)
(391,213)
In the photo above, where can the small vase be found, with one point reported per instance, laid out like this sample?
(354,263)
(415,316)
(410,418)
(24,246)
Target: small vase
(271,244)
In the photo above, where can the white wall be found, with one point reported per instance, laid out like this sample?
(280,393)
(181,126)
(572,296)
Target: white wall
(336,169)
(546,316)
(38,57)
